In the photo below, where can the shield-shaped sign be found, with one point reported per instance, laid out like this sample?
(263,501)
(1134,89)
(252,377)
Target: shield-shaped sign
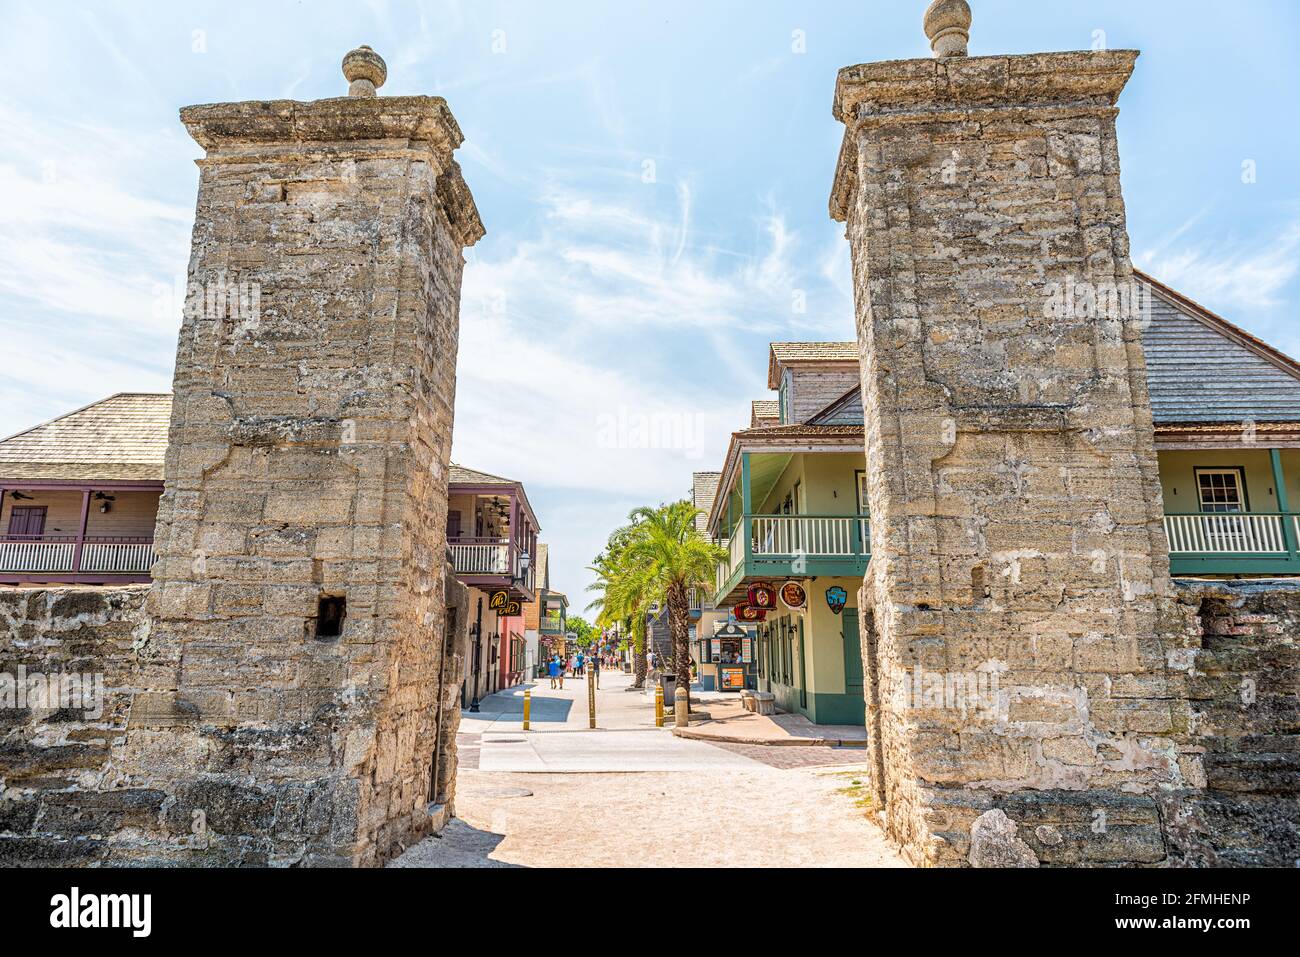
(837,598)
(794,597)
(762,595)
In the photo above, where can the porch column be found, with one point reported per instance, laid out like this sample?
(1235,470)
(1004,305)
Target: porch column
(1283,506)
(81,530)
(512,550)
(746,507)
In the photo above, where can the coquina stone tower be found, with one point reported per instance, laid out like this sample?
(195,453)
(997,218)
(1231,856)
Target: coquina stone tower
(297,613)
(1019,706)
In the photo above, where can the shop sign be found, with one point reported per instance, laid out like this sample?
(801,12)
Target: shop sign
(794,597)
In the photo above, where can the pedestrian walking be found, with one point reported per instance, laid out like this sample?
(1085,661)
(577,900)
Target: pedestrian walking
(553,669)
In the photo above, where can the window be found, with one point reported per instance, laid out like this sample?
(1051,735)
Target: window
(787,397)
(864,503)
(1222,490)
(330,612)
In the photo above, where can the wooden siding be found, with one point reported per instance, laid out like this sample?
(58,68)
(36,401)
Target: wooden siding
(1198,374)
(814,390)
(132,515)
(847,411)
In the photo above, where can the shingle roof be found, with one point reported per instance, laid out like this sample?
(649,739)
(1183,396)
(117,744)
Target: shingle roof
(543,572)
(458,474)
(1202,368)
(787,353)
(704,486)
(122,437)
(761,409)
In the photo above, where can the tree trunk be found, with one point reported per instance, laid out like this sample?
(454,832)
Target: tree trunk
(639,666)
(679,626)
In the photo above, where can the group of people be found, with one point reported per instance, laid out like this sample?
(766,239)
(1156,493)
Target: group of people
(577,666)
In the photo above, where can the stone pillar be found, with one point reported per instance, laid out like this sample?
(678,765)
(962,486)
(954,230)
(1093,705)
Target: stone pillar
(297,610)
(1018,558)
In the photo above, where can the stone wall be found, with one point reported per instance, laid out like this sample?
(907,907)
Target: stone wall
(97,780)
(1240,662)
(62,800)
(1232,653)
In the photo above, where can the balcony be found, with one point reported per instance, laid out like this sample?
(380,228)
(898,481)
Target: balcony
(792,546)
(45,558)
(480,556)
(1233,543)
(491,562)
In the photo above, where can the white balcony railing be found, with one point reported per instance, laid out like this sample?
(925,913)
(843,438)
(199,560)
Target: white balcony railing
(804,535)
(795,536)
(1226,533)
(100,555)
(480,558)
(122,558)
(37,556)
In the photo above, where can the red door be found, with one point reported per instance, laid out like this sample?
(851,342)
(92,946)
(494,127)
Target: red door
(27,520)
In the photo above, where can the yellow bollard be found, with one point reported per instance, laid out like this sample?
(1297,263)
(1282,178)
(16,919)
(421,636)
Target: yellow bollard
(659,706)
(591,701)
(528,706)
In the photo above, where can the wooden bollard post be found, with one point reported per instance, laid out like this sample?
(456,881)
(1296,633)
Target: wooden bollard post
(591,701)
(659,706)
(528,706)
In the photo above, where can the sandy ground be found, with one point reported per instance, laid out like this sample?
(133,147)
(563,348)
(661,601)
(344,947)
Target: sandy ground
(629,795)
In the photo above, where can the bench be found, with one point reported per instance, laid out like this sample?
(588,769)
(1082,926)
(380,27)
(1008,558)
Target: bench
(759,702)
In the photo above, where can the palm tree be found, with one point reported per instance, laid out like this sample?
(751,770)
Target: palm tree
(676,560)
(627,592)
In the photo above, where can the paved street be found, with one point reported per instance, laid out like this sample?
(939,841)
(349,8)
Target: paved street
(561,795)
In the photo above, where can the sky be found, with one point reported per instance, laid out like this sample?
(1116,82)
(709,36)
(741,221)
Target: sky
(653,177)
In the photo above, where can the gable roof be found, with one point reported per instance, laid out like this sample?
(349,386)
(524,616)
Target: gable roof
(792,353)
(1203,368)
(122,437)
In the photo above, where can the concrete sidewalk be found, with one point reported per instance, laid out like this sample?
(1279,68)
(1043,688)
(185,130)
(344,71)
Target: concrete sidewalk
(618,707)
(730,723)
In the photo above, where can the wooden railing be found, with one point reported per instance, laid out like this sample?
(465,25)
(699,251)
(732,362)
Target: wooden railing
(480,556)
(795,537)
(1228,533)
(57,554)
(122,558)
(35,554)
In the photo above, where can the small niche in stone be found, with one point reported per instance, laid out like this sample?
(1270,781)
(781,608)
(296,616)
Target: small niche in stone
(330,612)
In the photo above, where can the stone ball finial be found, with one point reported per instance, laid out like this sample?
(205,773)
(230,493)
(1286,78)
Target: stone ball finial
(947,24)
(365,71)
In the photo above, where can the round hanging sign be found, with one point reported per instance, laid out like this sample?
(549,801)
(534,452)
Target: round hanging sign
(793,596)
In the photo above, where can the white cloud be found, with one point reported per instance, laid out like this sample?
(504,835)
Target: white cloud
(1250,277)
(85,252)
